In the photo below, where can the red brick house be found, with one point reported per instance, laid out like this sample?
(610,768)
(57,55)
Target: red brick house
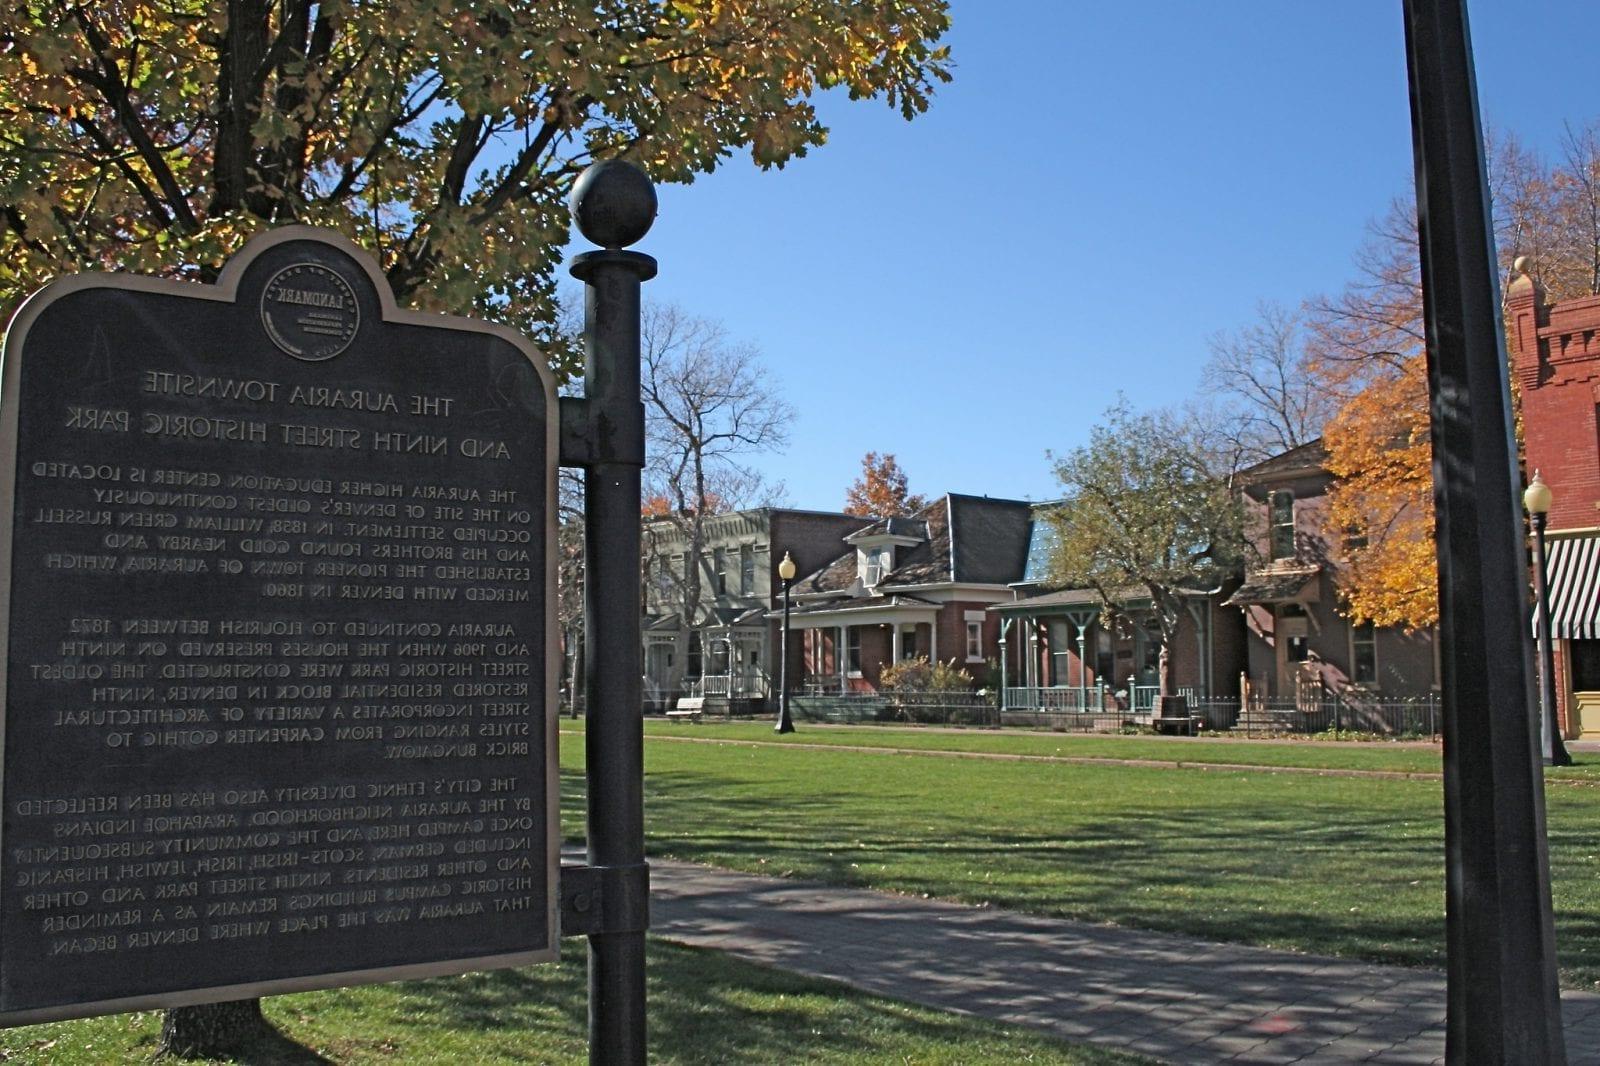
(1555,351)
(910,587)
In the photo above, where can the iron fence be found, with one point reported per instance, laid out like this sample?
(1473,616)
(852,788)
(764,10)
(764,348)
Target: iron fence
(1331,713)
(1104,711)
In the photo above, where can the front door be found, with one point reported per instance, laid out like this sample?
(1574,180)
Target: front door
(1292,633)
(658,671)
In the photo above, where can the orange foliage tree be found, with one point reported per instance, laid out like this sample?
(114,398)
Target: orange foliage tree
(1367,348)
(881,491)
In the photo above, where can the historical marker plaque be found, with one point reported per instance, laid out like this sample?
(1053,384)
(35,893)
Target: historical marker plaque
(277,617)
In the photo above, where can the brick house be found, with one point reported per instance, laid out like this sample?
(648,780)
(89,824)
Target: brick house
(1299,645)
(1555,352)
(910,587)
(1061,652)
(726,650)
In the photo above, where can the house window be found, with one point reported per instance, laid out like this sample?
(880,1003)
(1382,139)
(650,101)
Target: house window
(719,562)
(1585,656)
(1281,516)
(1364,654)
(695,661)
(876,564)
(852,651)
(974,642)
(747,570)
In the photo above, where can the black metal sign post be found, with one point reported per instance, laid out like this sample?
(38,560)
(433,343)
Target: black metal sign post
(614,205)
(1504,1002)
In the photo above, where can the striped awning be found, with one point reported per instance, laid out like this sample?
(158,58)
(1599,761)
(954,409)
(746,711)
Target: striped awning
(1574,569)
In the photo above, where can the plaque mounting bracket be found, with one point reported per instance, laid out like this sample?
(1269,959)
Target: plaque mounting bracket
(605,899)
(577,442)
(590,435)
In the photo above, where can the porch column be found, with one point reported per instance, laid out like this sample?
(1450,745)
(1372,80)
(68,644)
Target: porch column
(894,643)
(1005,633)
(1031,649)
(839,655)
(933,641)
(1083,667)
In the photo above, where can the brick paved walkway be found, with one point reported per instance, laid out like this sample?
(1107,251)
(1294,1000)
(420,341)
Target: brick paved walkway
(1171,998)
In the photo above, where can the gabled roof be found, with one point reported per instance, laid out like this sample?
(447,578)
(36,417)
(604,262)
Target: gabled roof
(964,539)
(1309,458)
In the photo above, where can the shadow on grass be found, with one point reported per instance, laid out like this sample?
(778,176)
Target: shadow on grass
(1261,868)
(274,1048)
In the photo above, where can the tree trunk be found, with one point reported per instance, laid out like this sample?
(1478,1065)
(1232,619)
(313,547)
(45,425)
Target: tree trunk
(211,1030)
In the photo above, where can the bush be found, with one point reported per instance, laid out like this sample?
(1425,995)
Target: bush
(919,675)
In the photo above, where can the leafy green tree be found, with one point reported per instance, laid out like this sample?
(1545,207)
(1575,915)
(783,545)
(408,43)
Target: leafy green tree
(1145,515)
(158,135)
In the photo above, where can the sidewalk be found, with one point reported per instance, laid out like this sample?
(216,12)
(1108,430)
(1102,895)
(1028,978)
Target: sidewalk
(1171,998)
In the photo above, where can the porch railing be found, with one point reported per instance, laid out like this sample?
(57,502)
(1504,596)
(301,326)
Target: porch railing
(734,687)
(1098,698)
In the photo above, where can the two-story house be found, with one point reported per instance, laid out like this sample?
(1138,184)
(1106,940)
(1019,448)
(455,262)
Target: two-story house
(723,646)
(1300,646)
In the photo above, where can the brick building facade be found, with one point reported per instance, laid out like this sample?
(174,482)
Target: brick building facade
(1555,350)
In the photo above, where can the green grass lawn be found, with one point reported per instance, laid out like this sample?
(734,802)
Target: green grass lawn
(704,1008)
(1342,865)
(1376,755)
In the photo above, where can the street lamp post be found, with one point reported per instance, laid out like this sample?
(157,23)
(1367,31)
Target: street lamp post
(1537,500)
(785,722)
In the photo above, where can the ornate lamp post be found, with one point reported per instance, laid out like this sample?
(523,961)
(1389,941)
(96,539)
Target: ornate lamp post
(785,723)
(1536,500)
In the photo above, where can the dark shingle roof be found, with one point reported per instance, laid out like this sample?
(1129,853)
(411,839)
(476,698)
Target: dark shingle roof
(989,538)
(964,538)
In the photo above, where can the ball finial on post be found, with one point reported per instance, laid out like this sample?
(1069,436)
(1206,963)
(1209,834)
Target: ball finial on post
(613,203)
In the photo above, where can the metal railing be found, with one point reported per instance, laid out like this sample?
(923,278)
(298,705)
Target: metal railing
(1329,712)
(1070,700)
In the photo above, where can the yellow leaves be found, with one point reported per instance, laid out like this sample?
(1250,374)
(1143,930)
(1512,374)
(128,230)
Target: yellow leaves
(1380,452)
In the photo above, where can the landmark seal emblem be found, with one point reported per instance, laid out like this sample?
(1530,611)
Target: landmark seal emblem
(310,312)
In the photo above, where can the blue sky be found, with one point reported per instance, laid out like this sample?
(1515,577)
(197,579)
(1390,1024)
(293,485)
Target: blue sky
(1101,189)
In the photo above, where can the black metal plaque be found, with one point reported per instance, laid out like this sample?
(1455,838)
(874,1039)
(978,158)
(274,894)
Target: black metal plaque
(277,589)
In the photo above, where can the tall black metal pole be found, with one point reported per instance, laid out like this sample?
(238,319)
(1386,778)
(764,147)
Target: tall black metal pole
(614,205)
(1503,999)
(785,722)
(1555,752)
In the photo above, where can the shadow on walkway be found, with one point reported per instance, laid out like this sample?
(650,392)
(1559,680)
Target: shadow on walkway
(1168,997)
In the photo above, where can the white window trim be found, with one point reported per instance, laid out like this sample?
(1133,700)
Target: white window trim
(974,618)
(1377,671)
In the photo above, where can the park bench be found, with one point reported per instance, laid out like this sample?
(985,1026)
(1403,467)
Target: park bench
(690,707)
